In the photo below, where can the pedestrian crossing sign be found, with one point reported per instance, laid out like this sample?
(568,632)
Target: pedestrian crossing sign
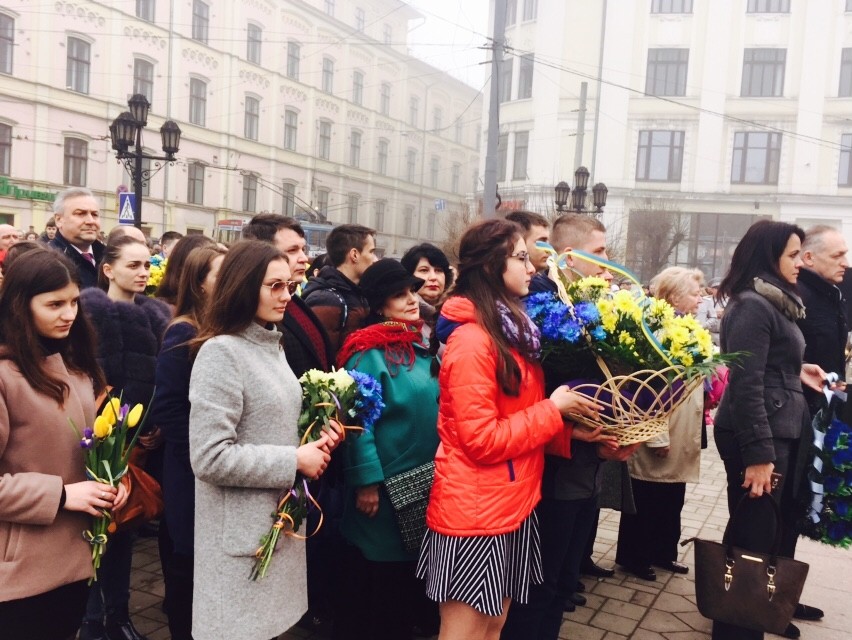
(126,202)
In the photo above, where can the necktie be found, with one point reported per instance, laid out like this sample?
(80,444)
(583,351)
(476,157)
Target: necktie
(90,257)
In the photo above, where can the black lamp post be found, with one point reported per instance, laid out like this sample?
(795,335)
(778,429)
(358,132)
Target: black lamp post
(578,196)
(126,132)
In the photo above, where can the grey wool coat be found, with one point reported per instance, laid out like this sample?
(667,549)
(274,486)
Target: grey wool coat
(242,444)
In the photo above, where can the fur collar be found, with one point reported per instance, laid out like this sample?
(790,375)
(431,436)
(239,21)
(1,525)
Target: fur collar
(786,302)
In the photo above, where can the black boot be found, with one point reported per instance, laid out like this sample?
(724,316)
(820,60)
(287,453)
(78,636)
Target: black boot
(92,631)
(122,629)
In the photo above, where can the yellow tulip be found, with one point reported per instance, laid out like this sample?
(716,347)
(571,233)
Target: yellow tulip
(134,416)
(111,411)
(102,427)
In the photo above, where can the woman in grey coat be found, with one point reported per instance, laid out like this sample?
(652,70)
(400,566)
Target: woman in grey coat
(244,452)
(763,411)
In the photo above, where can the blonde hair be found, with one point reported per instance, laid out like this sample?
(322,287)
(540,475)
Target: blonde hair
(673,283)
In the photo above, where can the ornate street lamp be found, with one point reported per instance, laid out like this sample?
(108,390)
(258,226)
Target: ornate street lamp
(578,195)
(562,192)
(126,132)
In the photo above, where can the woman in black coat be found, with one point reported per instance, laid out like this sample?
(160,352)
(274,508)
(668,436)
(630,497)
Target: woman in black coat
(763,411)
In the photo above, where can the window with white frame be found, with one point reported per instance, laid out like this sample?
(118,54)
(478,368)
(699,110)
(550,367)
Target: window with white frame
(322,202)
(671,6)
(506,81)
(530,9)
(143,78)
(414,111)
(844,174)
(250,192)
(77,68)
(360,19)
(329,7)
(328,75)
(434,171)
(358,87)
(195,183)
(380,215)
(848,5)
(666,72)
(254,39)
(459,130)
(756,158)
(7,43)
(845,90)
(252,118)
(200,21)
(146,170)
(511,12)
(198,102)
(355,149)
(768,6)
(519,163)
(145,9)
(291,129)
(387,33)
(525,76)
(456,178)
(293,55)
(430,225)
(437,119)
(382,157)
(288,202)
(384,99)
(324,140)
(763,73)
(659,157)
(5,150)
(352,209)
(411,165)
(502,156)
(408,221)
(75,162)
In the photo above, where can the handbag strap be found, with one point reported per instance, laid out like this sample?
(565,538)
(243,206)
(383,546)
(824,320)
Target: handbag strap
(738,511)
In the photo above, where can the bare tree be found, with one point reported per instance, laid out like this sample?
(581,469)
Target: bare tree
(656,227)
(454,225)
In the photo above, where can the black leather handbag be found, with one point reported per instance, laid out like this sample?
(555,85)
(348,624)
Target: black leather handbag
(748,589)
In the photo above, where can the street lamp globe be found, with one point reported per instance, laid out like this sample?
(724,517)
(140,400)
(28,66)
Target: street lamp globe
(123,131)
(139,106)
(581,179)
(562,191)
(170,133)
(599,192)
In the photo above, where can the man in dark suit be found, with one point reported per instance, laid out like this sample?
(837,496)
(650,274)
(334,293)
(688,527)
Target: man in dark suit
(78,223)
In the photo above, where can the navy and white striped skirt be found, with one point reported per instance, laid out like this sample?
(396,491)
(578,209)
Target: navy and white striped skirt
(482,570)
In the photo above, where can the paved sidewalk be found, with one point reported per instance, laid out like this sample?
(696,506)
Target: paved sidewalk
(618,607)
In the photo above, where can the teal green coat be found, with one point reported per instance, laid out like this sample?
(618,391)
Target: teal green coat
(405,437)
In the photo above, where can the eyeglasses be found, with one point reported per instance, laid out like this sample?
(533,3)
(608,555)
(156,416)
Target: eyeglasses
(278,287)
(523,256)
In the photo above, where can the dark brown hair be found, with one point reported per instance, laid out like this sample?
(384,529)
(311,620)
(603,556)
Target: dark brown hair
(168,289)
(234,306)
(345,237)
(483,251)
(17,250)
(32,274)
(264,226)
(527,219)
(112,253)
(191,300)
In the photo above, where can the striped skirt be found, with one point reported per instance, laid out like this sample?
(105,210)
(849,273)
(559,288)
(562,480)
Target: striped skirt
(482,570)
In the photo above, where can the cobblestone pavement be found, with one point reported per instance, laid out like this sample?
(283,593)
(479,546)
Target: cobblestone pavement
(618,607)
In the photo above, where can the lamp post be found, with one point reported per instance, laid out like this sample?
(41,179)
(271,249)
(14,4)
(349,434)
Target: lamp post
(126,132)
(578,196)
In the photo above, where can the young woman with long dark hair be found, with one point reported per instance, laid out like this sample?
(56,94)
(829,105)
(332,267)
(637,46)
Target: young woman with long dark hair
(481,547)
(243,446)
(168,289)
(48,375)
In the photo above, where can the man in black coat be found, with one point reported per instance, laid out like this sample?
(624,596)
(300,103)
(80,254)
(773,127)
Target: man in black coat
(825,326)
(78,222)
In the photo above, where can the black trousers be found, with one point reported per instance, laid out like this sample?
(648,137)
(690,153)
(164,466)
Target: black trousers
(54,615)
(650,536)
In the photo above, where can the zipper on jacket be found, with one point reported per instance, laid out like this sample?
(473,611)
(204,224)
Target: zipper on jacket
(511,471)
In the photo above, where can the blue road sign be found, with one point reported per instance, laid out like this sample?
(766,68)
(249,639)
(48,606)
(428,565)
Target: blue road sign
(126,205)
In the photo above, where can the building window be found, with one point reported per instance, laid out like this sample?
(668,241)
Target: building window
(76,156)
(380,215)
(143,78)
(434,169)
(411,164)
(387,34)
(430,225)
(291,129)
(324,150)
(671,6)
(506,81)
(384,99)
(519,164)
(329,7)
(756,157)
(7,43)
(358,87)
(382,165)
(355,149)
(408,221)
(77,72)
(845,90)
(844,177)
(195,184)
(525,76)
(293,50)
(849,5)
(352,209)
(360,19)
(413,111)
(5,150)
(200,20)
(459,131)
(530,9)
(511,12)
(197,102)
(660,156)
(502,156)
(437,119)
(328,75)
(763,73)
(250,193)
(145,9)
(146,170)
(666,75)
(322,203)
(768,6)
(254,38)
(288,204)
(252,117)
(456,178)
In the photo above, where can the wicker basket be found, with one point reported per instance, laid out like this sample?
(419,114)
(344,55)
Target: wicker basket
(637,406)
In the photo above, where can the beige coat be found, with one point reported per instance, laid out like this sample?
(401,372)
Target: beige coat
(41,547)
(684,440)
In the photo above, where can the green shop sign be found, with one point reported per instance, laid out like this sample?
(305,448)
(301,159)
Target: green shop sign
(8,189)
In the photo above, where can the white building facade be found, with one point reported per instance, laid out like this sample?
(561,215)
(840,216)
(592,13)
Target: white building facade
(312,108)
(701,116)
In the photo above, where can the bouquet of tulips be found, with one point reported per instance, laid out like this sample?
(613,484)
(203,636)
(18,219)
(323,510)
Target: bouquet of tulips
(340,396)
(106,448)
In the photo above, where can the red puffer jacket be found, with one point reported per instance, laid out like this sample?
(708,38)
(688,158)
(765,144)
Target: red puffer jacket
(489,464)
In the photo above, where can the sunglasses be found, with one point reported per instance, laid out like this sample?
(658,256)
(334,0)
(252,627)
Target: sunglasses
(278,287)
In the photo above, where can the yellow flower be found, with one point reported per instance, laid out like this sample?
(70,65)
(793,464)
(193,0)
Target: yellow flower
(626,339)
(134,416)
(102,427)
(627,306)
(111,411)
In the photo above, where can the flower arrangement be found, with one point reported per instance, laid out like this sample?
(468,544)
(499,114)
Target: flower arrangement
(155,275)
(107,446)
(337,396)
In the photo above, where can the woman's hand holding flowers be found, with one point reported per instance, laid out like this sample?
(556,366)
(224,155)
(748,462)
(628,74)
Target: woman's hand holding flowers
(367,499)
(90,496)
(572,403)
(335,434)
(312,459)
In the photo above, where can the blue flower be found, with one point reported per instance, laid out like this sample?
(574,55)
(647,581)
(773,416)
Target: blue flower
(570,330)
(841,507)
(368,405)
(598,333)
(832,484)
(587,313)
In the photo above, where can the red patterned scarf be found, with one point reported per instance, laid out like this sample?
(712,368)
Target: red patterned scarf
(396,338)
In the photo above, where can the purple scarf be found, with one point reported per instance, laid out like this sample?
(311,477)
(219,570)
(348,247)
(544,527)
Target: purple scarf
(532,334)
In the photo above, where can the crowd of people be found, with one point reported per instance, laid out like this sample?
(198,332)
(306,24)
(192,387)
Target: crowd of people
(516,485)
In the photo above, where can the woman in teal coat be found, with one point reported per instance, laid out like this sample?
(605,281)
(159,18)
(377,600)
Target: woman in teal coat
(382,594)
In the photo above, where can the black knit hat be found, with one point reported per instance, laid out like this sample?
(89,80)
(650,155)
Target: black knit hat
(384,279)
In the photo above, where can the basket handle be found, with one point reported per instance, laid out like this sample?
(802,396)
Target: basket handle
(737,514)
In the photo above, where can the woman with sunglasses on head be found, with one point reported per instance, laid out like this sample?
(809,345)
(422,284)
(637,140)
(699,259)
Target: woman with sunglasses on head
(48,375)
(481,547)
(244,449)
(170,412)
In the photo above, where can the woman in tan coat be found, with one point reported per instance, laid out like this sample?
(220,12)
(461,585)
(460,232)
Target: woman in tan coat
(48,375)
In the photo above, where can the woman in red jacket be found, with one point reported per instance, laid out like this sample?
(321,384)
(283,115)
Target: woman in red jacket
(481,548)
